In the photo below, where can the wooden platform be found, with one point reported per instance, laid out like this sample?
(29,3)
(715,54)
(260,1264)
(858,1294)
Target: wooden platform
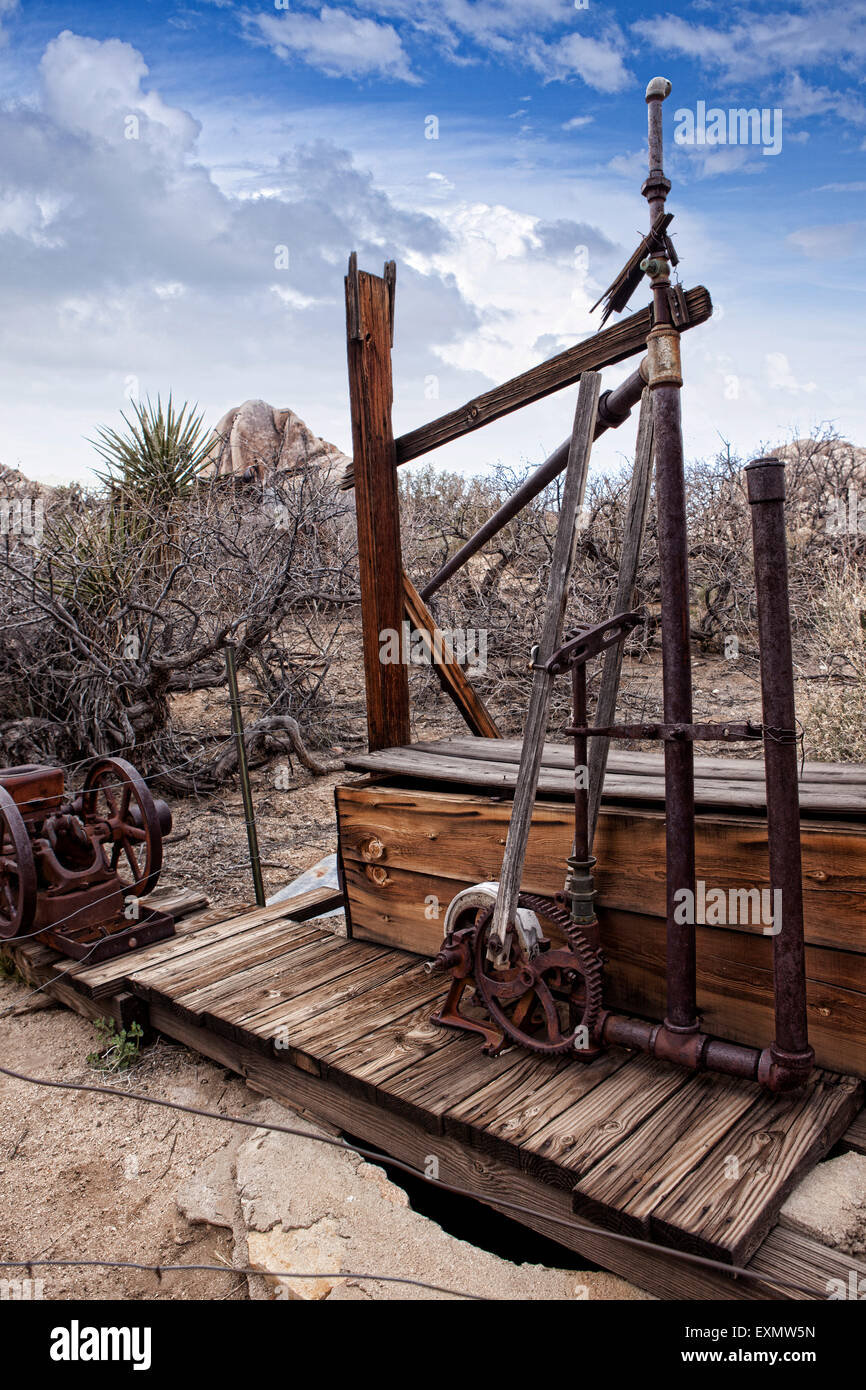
(430,820)
(342,1029)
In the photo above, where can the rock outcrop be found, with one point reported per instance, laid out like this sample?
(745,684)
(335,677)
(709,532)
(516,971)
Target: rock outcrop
(255,440)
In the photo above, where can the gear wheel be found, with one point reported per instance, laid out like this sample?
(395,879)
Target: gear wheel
(550,1003)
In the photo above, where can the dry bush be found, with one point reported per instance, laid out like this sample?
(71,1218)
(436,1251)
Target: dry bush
(834,718)
(125,604)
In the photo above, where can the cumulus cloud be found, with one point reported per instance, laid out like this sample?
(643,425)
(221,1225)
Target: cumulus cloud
(121,257)
(336,42)
(598,62)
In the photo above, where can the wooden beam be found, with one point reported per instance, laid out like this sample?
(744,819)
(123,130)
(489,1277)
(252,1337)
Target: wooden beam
(561,563)
(601,350)
(369,306)
(635,524)
(453,678)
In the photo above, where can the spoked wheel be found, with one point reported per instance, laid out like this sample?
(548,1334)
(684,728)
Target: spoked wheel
(549,1003)
(118,797)
(17,872)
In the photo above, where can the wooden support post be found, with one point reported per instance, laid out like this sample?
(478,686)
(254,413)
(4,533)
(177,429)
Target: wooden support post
(635,524)
(453,678)
(573,490)
(369,309)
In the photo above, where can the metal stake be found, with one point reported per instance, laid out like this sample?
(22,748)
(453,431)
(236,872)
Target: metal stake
(243,769)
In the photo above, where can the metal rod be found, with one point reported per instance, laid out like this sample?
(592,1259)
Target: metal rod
(243,769)
(614,408)
(790,1055)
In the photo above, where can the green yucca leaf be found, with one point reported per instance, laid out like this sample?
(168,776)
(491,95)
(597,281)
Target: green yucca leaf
(160,455)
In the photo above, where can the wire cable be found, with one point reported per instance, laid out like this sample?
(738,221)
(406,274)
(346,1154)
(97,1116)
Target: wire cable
(159,1270)
(703,1261)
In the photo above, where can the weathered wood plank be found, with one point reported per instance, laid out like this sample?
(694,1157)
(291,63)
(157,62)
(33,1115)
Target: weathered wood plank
(198,931)
(735,994)
(453,678)
(601,350)
(854,1138)
(783,1255)
(844,800)
(377,507)
(633,533)
(503,1116)
(460,835)
(731,1199)
(580,1136)
(639,763)
(625,1187)
(562,559)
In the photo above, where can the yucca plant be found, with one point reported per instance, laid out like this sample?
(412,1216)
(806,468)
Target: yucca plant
(159,457)
(151,471)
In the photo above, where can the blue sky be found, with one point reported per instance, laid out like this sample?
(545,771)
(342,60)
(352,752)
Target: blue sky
(153,156)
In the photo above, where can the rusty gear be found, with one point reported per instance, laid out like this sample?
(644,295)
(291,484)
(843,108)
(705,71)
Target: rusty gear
(555,981)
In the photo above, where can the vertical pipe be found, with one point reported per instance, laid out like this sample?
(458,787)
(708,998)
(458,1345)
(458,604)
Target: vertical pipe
(243,769)
(789,1060)
(665,381)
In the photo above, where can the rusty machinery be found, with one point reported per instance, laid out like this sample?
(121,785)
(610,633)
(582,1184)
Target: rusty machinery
(538,981)
(72,868)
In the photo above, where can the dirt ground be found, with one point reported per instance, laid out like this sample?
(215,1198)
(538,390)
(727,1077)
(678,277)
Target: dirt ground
(90,1177)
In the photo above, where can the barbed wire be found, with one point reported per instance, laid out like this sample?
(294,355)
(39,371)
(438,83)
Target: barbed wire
(736,1272)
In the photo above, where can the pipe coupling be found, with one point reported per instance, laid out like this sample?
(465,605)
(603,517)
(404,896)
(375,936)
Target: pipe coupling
(663,356)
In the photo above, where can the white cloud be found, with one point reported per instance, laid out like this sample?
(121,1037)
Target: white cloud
(597,62)
(577,122)
(781,378)
(337,43)
(832,241)
(94,86)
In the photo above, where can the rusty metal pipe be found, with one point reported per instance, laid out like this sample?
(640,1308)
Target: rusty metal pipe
(665,381)
(790,1058)
(614,407)
(695,1050)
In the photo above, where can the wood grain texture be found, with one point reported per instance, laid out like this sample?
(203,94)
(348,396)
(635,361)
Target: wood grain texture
(434,844)
(633,533)
(784,1255)
(377,506)
(731,1199)
(497,770)
(601,350)
(452,677)
(460,835)
(535,728)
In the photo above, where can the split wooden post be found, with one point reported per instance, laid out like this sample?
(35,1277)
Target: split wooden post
(573,490)
(635,524)
(369,315)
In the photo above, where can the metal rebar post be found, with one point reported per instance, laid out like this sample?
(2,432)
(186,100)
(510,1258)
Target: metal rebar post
(244,772)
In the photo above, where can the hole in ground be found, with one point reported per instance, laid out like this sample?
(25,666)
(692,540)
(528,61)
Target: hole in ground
(472,1221)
